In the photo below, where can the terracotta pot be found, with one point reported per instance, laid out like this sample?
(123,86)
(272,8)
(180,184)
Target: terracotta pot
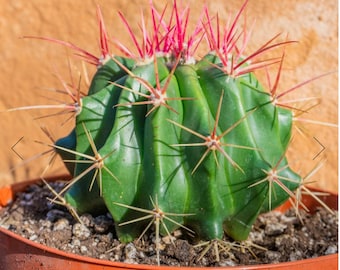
(17,252)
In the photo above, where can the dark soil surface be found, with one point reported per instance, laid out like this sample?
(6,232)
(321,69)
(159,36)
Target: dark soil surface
(275,237)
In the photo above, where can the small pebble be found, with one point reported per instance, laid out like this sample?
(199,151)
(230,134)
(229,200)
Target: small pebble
(76,242)
(273,256)
(290,220)
(45,224)
(33,237)
(87,220)
(28,196)
(294,256)
(61,224)
(130,252)
(274,229)
(83,249)
(331,250)
(81,231)
(257,237)
(226,263)
(101,224)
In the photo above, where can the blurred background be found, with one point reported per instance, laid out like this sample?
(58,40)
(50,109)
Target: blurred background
(31,70)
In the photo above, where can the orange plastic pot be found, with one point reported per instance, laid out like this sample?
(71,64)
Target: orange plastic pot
(17,252)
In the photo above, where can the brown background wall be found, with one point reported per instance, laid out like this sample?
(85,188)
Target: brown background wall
(27,68)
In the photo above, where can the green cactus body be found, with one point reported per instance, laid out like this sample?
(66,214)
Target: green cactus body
(211,147)
(141,153)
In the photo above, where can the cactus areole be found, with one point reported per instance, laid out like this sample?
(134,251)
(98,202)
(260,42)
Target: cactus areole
(198,142)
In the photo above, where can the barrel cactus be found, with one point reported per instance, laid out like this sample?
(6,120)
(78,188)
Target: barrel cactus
(188,142)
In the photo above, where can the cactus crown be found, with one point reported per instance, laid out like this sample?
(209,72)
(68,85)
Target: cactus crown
(191,143)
